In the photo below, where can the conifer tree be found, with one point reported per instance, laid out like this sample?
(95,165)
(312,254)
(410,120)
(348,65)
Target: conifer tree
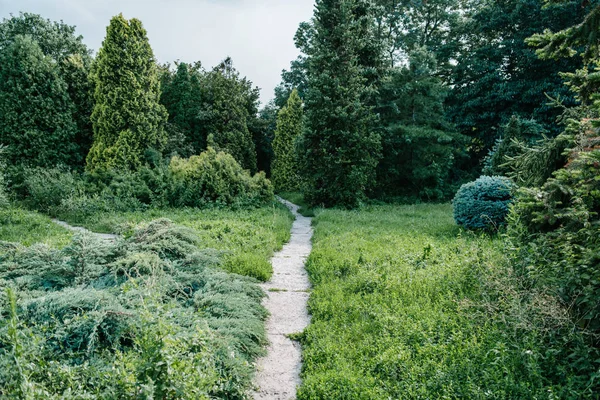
(339,150)
(36,122)
(225,114)
(181,95)
(60,44)
(127,118)
(284,173)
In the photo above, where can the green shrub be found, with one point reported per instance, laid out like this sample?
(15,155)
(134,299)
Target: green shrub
(484,203)
(47,187)
(556,229)
(215,177)
(152,316)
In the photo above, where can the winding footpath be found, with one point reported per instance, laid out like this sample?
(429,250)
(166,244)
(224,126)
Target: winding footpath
(287,295)
(79,229)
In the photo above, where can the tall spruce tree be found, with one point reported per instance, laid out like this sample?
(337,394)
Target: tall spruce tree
(127,118)
(498,75)
(36,114)
(420,148)
(285,175)
(339,150)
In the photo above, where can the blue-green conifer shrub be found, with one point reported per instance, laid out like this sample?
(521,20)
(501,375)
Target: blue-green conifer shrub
(484,203)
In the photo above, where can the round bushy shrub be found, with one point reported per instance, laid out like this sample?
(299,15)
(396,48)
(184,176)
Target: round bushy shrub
(217,178)
(484,203)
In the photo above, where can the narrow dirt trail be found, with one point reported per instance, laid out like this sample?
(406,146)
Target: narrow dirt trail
(104,236)
(279,371)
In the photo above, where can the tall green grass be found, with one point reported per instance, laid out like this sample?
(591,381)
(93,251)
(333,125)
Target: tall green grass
(407,306)
(248,236)
(29,227)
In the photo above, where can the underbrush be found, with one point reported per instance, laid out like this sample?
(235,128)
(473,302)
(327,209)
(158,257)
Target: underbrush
(29,227)
(248,237)
(211,180)
(407,305)
(151,316)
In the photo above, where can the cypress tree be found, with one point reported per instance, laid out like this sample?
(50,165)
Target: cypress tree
(127,118)
(339,150)
(289,127)
(36,122)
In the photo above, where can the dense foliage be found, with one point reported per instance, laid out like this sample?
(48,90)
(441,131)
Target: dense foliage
(72,61)
(216,178)
(498,75)
(484,203)
(127,118)
(31,90)
(212,179)
(285,173)
(152,315)
(557,228)
(339,150)
(420,149)
(516,135)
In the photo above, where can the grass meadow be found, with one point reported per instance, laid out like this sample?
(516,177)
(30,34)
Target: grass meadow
(406,305)
(248,236)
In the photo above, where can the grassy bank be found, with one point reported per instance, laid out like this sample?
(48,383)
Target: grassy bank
(248,236)
(405,305)
(29,227)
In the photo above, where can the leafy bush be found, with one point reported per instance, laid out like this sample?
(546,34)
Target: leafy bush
(215,177)
(211,179)
(152,316)
(556,229)
(484,203)
(47,187)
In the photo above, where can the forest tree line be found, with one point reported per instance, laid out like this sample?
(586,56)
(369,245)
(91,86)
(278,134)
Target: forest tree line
(388,99)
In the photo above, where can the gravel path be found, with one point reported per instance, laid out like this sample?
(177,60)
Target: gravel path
(279,371)
(105,236)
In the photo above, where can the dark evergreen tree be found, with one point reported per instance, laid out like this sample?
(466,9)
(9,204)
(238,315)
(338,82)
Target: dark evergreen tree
(225,114)
(181,96)
(59,43)
(36,113)
(515,136)
(128,118)
(285,175)
(498,75)
(340,149)
(420,148)
(267,118)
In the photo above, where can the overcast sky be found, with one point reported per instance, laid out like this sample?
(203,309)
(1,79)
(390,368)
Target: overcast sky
(257,34)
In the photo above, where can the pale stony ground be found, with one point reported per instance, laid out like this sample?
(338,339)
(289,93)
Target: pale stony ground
(105,236)
(278,372)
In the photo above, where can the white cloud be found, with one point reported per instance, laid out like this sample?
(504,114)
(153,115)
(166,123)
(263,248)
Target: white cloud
(257,34)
